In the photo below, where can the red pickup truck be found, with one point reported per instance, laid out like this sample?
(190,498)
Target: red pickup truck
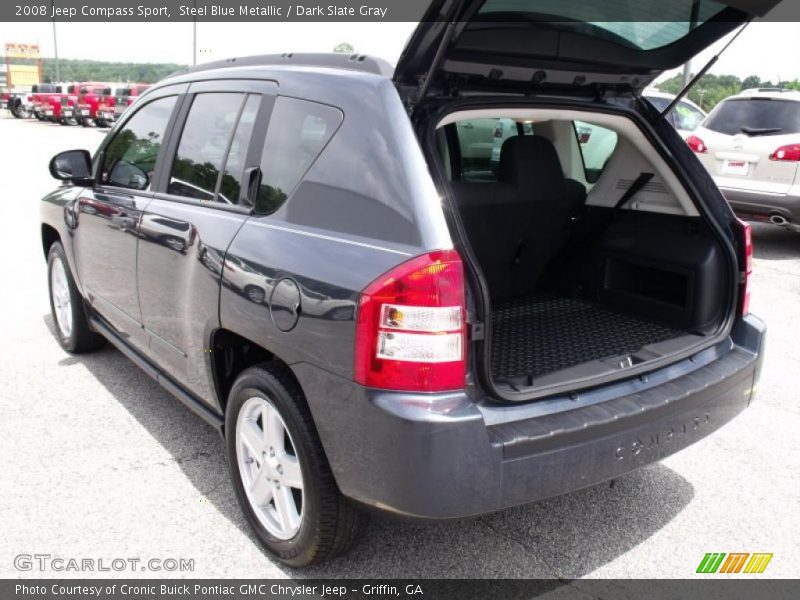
(124,97)
(89,100)
(40,106)
(60,108)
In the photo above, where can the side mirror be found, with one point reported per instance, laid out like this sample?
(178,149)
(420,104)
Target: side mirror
(128,175)
(73,165)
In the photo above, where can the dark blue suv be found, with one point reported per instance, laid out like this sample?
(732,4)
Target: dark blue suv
(491,276)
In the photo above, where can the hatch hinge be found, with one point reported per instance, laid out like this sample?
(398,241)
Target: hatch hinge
(425,81)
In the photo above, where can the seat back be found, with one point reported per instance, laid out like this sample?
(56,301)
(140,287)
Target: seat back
(516,225)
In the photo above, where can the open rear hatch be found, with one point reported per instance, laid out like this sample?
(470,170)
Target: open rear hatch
(651,287)
(520,45)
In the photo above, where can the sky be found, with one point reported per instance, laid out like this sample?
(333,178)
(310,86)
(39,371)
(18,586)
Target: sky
(768,50)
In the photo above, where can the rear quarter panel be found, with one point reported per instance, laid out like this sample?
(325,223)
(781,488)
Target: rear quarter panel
(366,205)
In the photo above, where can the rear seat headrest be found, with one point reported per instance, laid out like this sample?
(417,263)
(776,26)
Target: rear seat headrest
(531,162)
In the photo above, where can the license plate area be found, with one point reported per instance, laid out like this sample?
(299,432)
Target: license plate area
(735,167)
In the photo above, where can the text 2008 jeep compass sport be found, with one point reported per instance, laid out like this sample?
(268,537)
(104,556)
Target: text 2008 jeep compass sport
(495,276)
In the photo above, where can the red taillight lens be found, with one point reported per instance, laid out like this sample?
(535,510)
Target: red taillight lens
(696,144)
(746,237)
(790,153)
(411,328)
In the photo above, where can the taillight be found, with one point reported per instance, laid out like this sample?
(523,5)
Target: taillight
(789,153)
(747,246)
(411,329)
(696,144)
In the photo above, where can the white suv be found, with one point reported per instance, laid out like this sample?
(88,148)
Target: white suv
(750,143)
(686,116)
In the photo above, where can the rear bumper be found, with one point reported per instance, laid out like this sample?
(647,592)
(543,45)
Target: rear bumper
(445,456)
(758,206)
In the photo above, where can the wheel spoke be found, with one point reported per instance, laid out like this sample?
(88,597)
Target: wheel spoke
(291,476)
(253,438)
(273,428)
(261,487)
(287,510)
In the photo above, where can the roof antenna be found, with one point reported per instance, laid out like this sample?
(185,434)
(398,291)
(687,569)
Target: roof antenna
(687,88)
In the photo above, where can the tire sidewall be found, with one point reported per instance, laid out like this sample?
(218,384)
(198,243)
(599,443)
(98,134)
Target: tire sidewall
(260,384)
(57,253)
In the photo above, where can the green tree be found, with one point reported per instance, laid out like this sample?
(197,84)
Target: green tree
(73,70)
(753,81)
(344,48)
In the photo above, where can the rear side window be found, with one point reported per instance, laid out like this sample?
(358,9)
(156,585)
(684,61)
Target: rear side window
(597,144)
(480,142)
(130,157)
(763,116)
(207,138)
(298,131)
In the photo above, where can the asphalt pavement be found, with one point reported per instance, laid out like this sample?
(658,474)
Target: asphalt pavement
(99,462)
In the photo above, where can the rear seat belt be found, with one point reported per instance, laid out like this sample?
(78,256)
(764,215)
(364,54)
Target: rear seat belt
(571,251)
(596,232)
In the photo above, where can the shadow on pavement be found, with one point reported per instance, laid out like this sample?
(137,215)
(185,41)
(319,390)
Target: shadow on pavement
(564,537)
(771,242)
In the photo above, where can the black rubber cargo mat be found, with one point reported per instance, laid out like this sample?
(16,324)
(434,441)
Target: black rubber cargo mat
(545,333)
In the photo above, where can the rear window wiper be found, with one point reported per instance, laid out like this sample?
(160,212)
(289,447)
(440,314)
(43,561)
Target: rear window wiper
(760,130)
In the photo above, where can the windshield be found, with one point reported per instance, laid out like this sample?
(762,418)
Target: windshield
(633,23)
(763,116)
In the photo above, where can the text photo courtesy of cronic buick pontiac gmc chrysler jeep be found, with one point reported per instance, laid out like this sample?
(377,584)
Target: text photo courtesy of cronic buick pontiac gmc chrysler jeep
(432,290)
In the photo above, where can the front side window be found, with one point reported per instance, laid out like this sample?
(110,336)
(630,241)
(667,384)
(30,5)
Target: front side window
(200,157)
(298,131)
(597,144)
(130,157)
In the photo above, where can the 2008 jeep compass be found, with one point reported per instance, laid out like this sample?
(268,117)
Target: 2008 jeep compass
(494,276)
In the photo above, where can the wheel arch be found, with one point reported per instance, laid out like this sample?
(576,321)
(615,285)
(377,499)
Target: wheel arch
(230,354)
(50,235)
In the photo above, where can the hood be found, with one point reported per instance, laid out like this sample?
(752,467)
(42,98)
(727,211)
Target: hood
(518,45)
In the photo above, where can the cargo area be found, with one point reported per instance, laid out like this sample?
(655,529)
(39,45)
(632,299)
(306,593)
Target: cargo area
(589,277)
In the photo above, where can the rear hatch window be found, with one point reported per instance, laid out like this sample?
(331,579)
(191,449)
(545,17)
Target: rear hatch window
(638,25)
(756,116)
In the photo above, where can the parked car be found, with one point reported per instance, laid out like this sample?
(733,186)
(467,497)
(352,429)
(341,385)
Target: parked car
(59,107)
(427,343)
(125,96)
(686,116)
(89,98)
(106,106)
(68,102)
(41,108)
(19,103)
(750,143)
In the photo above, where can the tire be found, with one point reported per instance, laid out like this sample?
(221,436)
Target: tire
(66,306)
(328,524)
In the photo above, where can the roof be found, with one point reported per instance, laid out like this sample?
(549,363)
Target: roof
(780,93)
(351,62)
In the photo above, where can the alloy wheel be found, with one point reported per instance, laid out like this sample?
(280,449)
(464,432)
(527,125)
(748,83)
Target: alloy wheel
(62,302)
(269,468)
